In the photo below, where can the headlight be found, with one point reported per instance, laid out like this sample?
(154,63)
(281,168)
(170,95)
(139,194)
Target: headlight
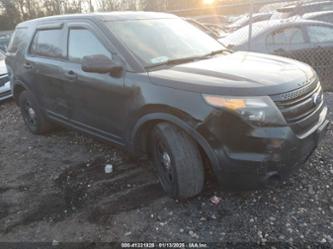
(258,110)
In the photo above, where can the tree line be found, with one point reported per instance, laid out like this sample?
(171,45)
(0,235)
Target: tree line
(14,11)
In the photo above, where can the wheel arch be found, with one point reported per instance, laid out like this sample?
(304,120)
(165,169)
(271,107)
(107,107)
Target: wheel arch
(138,140)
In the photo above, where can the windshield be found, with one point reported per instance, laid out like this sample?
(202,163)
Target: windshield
(160,40)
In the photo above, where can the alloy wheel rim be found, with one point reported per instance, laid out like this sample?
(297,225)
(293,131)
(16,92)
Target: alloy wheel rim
(30,115)
(165,164)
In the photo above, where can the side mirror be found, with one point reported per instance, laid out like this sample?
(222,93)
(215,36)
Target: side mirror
(101,64)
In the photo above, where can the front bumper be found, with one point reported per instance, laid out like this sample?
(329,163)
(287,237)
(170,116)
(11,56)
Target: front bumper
(250,161)
(5,91)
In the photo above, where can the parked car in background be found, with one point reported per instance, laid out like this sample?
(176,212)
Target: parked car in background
(217,28)
(323,16)
(274,6)
(213,23)
(156,85)
(302,7)
(304,40)
(4,39)
(211,32)
(245,20)
(5,91)
(212,19)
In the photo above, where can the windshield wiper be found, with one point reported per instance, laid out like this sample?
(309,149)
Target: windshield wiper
(187,59)
(175,62)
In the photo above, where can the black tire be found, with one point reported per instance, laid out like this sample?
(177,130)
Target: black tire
(178,161)
(32,115)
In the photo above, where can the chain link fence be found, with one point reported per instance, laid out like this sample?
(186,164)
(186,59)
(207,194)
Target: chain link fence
(301,30)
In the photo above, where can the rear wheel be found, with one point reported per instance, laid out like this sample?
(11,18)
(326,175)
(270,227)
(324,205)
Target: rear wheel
(178,161)
(32,115)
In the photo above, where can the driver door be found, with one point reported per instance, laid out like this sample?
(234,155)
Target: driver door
(96,100)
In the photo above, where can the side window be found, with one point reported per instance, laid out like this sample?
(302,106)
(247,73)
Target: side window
(48,43)
(286,37)
(318,34)
(77,49)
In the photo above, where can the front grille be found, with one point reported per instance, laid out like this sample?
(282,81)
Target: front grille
(3,79)
(296,94)
(301,108)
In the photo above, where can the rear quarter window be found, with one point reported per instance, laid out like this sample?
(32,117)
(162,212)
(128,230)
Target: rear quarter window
(49,43)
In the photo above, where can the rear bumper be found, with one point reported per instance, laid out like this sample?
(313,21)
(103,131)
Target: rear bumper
(280,152)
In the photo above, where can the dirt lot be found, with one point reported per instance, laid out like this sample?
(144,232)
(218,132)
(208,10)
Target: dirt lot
(54,188)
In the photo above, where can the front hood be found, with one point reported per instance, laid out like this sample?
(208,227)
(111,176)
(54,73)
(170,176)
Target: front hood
(3,69)
(239,73)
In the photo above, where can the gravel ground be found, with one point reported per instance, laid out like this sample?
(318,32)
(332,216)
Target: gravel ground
(54,188)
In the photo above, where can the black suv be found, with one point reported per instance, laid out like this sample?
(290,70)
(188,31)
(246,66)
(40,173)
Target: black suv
(156,85)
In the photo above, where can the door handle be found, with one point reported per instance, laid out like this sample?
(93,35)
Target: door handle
(27,65)
(71,75)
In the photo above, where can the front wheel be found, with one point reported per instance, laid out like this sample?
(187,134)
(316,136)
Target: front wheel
(178,161)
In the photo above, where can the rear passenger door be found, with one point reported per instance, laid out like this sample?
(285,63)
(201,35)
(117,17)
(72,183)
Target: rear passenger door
(45,62)
(97,101)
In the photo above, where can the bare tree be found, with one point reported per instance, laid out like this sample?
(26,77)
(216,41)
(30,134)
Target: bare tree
(11,15)
(109,5)
(153,5)
(15,11)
